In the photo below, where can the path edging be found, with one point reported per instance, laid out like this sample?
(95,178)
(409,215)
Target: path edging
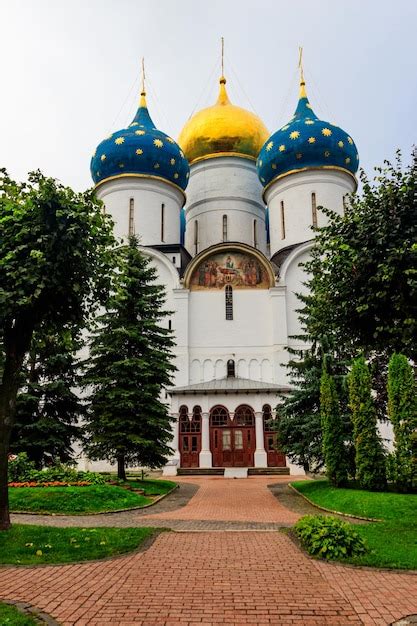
(32,611)
(322,508)
(133,508)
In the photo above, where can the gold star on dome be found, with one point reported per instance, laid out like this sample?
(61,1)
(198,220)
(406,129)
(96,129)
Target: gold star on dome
(187,175)
(119,141)
(172,161)
(311,140)
(121,165)
(260,163)
(263,179)
(350,140)
(295,134)
(274,166)
(326,132)
(281,148)
(97,173)
(298,155)
(139,132)
(285,127)
(309,122)
(182,153)
(308,105)
(347,161)
(327,153)
(176,175)
(158,143)
(170,140)
(103,157)
(269,146)
(133,124)
(340,144)
(156,166)
(139,151)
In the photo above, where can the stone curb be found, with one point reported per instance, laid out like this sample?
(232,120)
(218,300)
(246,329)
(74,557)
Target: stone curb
(134,508)
(32,611)
(322,508)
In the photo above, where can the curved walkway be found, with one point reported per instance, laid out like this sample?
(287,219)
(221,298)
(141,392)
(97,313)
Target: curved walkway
(213,578)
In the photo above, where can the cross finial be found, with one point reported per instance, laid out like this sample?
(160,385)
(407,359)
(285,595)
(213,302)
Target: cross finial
(222,57)
(303,93)
(143,93)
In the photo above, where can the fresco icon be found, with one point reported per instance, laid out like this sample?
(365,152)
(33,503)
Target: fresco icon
(242,271)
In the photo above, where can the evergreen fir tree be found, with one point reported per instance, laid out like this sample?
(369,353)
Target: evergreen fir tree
(370,458)
(334,451)
(402,411)
(128,369)
(47,409)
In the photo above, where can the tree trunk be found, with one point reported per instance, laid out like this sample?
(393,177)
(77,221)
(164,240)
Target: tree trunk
(121,470)
(17,338)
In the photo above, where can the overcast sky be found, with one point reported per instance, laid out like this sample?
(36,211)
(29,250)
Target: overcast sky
(71,68)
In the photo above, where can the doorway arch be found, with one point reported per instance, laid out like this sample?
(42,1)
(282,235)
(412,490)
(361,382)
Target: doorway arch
(232,441)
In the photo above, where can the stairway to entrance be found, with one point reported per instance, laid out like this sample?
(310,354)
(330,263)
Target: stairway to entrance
(219,471)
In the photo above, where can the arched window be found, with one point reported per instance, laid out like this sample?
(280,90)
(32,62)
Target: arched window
(183,419)
(219,416)
(282,220)
(267,417)
(196,237)
(230,368)
(131,217)
(314,209)
(196,421)
(244,416)
(255,234)
(228,294)
(224,227)
(162,222)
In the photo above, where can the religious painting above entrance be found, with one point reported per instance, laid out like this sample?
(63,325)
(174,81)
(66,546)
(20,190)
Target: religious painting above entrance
(238,269)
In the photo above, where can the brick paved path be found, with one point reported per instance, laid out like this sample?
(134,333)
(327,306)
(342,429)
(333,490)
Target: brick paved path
(213,578)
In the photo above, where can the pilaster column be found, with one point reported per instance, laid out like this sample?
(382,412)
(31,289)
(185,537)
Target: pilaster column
(260,456)
(175,437)
(205,454)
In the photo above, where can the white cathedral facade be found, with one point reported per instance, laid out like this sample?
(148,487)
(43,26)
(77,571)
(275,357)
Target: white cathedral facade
(226,215)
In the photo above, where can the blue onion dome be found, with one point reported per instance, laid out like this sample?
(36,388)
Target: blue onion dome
(306,143)
(140,150)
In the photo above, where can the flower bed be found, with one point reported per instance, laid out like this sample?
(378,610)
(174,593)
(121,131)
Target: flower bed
(54,483)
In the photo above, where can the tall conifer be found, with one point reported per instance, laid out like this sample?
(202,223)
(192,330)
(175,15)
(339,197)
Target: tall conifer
(129,367)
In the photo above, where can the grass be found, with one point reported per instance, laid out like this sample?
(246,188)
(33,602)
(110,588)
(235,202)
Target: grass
(393,541)
(152,487)
(74,500)
(34,545)
(10,615)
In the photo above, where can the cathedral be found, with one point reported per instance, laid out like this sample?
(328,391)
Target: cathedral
(226,214)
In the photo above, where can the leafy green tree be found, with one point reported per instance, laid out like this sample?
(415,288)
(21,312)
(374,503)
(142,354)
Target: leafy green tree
(129,367)
(54,263)
(335,455)
(363,270)
(48,410)
(402,411)
(370,458)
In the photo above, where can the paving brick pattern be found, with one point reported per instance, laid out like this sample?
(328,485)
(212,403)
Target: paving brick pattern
(214,578)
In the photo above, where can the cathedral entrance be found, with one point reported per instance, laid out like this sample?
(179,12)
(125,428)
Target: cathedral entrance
(190,436)
(232,442)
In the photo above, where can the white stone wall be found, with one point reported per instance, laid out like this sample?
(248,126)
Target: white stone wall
(224,186)
(295,192)
(148,197)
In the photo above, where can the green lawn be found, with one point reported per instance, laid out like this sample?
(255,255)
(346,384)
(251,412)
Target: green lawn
(393,541)
(74,500)
(9,615)
(152,487)
(32,545)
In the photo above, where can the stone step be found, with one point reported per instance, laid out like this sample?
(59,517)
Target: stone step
(267,471)
(200,471)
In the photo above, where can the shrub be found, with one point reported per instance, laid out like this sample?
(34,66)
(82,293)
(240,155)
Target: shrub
(334,451)
(22,470)
(19,467)
(329,537)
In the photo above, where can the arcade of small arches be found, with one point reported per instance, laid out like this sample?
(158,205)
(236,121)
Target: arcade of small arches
(209,369)
(232,439)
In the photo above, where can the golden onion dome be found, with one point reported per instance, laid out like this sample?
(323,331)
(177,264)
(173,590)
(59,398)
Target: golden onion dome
(223,129)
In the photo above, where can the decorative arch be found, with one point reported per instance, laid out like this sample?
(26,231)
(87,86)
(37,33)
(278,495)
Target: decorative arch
(244,415)
(238,265)
(292,257)
(163,259)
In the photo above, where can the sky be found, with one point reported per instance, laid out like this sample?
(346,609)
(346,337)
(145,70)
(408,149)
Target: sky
(71,71)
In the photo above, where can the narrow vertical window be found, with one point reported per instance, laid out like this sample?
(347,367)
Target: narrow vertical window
(282,220)
(230,369)
(255,234)
(345,203)
(170,324)
(314,209)
(229,302)
(162,222)
(196,237)
(224,227)
(131,217)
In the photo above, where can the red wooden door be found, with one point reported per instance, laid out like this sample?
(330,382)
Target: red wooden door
(232,443)
(190,446)
(275,458)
